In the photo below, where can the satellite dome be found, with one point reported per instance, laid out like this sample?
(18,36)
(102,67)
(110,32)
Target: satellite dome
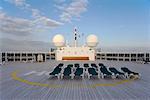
(58,40)
(92,40)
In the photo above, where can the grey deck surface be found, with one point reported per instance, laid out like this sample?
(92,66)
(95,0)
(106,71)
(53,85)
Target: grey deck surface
(77,89)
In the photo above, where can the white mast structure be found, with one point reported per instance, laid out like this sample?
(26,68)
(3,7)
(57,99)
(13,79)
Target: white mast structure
(75,37)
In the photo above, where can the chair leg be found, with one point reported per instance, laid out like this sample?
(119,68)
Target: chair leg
(131,75)
(102,75)
(89,76)
(58,76)
(72,76)
(61,76)
(82,76)
(123,76)
(99,76)
(139,76)
(113,76)
(126,75)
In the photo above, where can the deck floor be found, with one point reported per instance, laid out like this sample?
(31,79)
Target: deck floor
(67,89)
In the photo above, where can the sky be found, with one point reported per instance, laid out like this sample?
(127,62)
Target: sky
(117,23)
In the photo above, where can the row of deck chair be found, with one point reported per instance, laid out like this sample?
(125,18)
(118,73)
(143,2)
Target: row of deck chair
(93,70)
(72,72)
(112,72)
(130,74)
(68,71)
(104,72)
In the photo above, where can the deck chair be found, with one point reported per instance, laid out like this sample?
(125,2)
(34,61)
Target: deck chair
(56,72)
(105,72)
(130,73)
(67,71)
(79,72)
(92,72)
(116,72)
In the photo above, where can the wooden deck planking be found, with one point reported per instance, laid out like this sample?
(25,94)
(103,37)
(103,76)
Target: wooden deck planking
(11,89)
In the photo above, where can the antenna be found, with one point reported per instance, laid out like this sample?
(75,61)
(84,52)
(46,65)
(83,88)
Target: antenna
(75,37)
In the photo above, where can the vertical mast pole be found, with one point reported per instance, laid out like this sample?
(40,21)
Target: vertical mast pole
(75,37)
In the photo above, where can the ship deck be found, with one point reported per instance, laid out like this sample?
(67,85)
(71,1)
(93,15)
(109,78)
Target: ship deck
(17,83)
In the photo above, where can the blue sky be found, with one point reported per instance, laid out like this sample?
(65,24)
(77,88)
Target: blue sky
(122,23)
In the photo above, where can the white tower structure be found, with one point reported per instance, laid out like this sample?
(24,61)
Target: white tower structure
(66,52)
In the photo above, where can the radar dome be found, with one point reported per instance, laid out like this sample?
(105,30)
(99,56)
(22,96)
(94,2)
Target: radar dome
(92,40)
(58,40)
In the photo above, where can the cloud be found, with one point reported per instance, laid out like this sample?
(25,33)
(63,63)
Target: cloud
(23,5)
(59,1)
(23,27)
(19,3)
(44,21)
(73,10)
(36,14)
(7,44)
(17,26)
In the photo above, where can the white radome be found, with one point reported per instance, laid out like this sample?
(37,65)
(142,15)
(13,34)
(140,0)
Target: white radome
(92,40)
(59,40)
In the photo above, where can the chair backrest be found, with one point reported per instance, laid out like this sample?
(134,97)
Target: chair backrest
(101,64)
(67,70)
(94,65)
(126,70)
(104,70)
(76,65)
(70,65)
(79,71)
(86,65)
(61,64)
(92,71)
(57,70)
(114,70)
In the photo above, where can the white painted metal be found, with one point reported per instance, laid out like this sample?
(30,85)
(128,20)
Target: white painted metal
(75,52)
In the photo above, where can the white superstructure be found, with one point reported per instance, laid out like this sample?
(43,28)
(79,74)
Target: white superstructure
(75,52)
